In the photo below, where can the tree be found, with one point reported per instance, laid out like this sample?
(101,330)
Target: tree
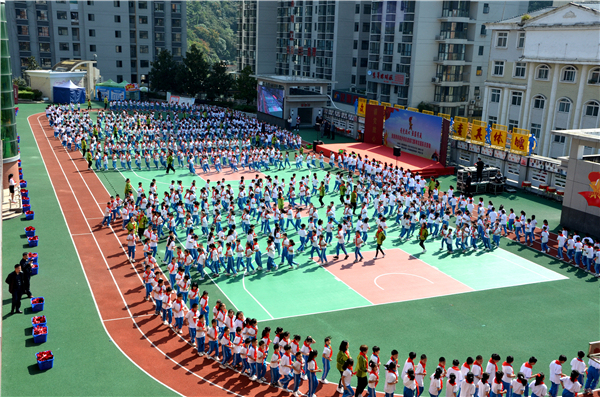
(196,71)
(32,64)
(163,71)
(245,86)
(219,81)
(425,106)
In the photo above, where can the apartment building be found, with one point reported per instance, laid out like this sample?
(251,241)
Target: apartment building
(544,73)
(123,36)
(257,29)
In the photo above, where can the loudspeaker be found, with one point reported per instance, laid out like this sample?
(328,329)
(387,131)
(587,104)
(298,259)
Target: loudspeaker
(397,151)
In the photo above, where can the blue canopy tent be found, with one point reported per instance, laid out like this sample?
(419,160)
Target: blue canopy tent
(68,93)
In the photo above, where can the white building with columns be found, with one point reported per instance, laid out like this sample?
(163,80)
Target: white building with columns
(544,74)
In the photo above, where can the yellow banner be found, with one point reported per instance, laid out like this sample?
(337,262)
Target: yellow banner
(362,107)
(461,127)
(399,106)
(444,116)
(498,138)
(386,104)
(478,132)
(519,144)
(428,112)
(373,102)
(413,109)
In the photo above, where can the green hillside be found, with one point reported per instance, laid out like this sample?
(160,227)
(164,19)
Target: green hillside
(212,26)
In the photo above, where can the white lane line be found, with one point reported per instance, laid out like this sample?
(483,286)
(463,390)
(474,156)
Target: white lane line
(127,318)
(256,300)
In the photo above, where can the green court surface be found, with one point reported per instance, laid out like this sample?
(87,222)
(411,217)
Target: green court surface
(524,303)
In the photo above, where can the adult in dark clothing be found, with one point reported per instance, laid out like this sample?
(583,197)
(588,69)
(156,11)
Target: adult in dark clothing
(468,182)
(15,287)
(26,270)
(479,164)
(326,129)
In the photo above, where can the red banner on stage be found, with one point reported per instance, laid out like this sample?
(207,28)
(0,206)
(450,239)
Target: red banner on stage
(374,116)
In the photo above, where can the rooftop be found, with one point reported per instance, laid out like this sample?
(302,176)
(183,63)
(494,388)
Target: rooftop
(299,80)
(590,135)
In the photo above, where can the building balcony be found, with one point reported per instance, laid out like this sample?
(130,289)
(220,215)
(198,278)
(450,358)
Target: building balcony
(451,59)
(451,80)
(452,37)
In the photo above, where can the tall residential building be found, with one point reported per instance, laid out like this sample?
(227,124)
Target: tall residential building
(257,29)
(123,36)
(401,52)
(544,74)
(440,48)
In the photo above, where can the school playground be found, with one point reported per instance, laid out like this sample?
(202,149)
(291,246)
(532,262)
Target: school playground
(511,301)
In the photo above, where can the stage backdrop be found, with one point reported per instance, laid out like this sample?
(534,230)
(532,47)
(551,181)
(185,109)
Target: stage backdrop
(374,116)
(416,133)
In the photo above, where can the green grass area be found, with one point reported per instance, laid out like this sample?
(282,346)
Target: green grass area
(534,319)
(86,361)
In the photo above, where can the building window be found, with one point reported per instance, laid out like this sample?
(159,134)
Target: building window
(92,47)
(119,64)
(486,8)
(495,96)
(363,62)
(176,7)
(362,80)
(539,102)
(119,78)
(42,15)
(559,138)
(63,46)
(143,5)
(176,51)
(159,22)
(91,17)
(357,9)
(159,37)
(480,50)
(521,40)
(118,34)
(61,15)
(512,124)
(46,62)
(364,45)
(117,18)
(516,98)
(498,68)
(356,26)
(24,62)
(90,3)
(117,3)
(144,49)
(63,31)
(543,72)
(354,61)
(159,7)
(366,27)
(21,13)
(44,47)
(564,105)
(176,23)
(143,34)
(92,33)
(74,17)
(353,79)
(536,129)
(479,72)
(502,39)
(367,9)
(520,70)
(43,31)
(143,20)
(144,64)
(492,120)
(483,31)
(23,30)
(594,76)
(118,49)
(591,109)
(24,46)
(568,74)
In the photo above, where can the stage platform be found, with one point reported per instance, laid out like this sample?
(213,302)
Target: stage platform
(423,166)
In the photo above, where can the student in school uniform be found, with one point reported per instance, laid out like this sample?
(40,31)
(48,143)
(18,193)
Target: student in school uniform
(436,383)
(178,313)
(226,346)
(391,379)
(274,365)
(537,387)
(518,385)
(527,371)
(158,291)
(483,386)
(192,318)
(167,307)
(313,370)
(592,375)
(200,335)
(326,359)
(297,367)
(373,379)
(410,384)
(555,374)
(497,387)
(467,386)
(420,373)
(347,378)
(285,368)
(213,342)
(570,384)
(509,374)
